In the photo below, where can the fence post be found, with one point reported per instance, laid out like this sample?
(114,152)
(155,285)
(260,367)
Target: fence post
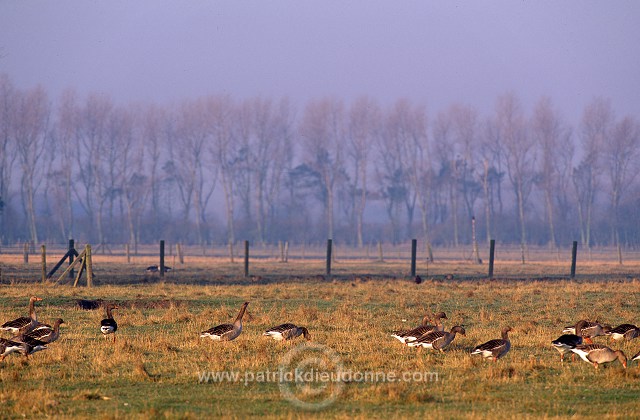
(492,254)
(162,258)
(25,253)
(574,255)
(329,247)
(246,258)
(127,251)
(72,245)
(414,248)
(89,266)
(380,256)
(44,262)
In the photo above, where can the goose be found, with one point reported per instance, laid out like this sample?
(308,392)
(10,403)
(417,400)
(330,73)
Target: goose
(23,324)
(565,343)
(24,346)
(287,332)
(495,348)
(156,269)
(636,356)
(624,331)
(109,325)
(406,336)
(437,340)
(7,347)
(227,332)
(44,333)
(598,353)
(589,330)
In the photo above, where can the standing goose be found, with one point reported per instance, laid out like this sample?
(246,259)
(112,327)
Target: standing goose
(406,336)
(23,324)
(227,332)
(565,343)
(437,340)
(598,353)
(29,345)
(495,348)
(589,330)
(44,333)
(109,325)
(624,331)
(287,332)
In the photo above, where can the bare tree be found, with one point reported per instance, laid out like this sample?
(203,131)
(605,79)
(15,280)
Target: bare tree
(31,134)
(364,115)
(323,134)
(553,139)
(621,160)
(520,156)
(595,132)
(8,151)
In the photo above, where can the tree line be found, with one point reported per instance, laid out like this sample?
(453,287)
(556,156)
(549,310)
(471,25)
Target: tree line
(216,170)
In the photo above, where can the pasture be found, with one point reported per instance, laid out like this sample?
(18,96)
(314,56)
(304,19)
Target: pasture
(159,367)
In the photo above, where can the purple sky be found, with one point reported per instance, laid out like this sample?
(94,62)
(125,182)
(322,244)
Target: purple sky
(434,53)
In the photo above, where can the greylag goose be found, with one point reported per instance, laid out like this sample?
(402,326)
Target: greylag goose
(636,356)
(437,340)
(109,325)
(287,332)
(624,331)
(44,333)
(406,336)
(227,332)
(495,348)
(598,353)
(7,347)
(23,324)
(565,343)
(589,330)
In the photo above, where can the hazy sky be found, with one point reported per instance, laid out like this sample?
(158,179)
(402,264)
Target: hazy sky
(432,52)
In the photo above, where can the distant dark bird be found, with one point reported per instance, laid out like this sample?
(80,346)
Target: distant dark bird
(418,279)
(109,325)
(89,305)
(566,343)
(156,269)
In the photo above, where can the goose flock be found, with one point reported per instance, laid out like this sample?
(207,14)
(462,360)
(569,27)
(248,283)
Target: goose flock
(31,335)
(577,340)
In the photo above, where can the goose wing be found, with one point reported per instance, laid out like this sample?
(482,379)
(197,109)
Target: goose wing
(17,324)
(218,330)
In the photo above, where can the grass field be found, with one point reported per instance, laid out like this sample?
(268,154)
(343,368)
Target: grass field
(155,367)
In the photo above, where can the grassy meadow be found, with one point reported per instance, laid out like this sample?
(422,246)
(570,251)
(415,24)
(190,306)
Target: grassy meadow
(154,368)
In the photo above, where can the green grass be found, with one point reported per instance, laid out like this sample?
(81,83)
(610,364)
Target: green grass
(152,369)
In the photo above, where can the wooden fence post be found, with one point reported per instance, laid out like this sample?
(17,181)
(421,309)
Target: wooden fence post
(126,250)
(380,256)
(246,258)
(89,266)
(162,258)
(329,249)
(492,254)
(25,253)
(44,262)
(414,248)
(574,255)
(72,245)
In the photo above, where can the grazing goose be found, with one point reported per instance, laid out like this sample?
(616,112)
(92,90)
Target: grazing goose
(23,324)
(109,325)
(406,336)
(437,340)
(565,343)
(636,356)
(7,347)
(495,348)
(287,332)
(589,330)
(624,331)
(44,333)
(29,345)
(598,353)
(227,332)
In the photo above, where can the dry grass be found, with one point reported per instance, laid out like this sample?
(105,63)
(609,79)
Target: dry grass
(152,369)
